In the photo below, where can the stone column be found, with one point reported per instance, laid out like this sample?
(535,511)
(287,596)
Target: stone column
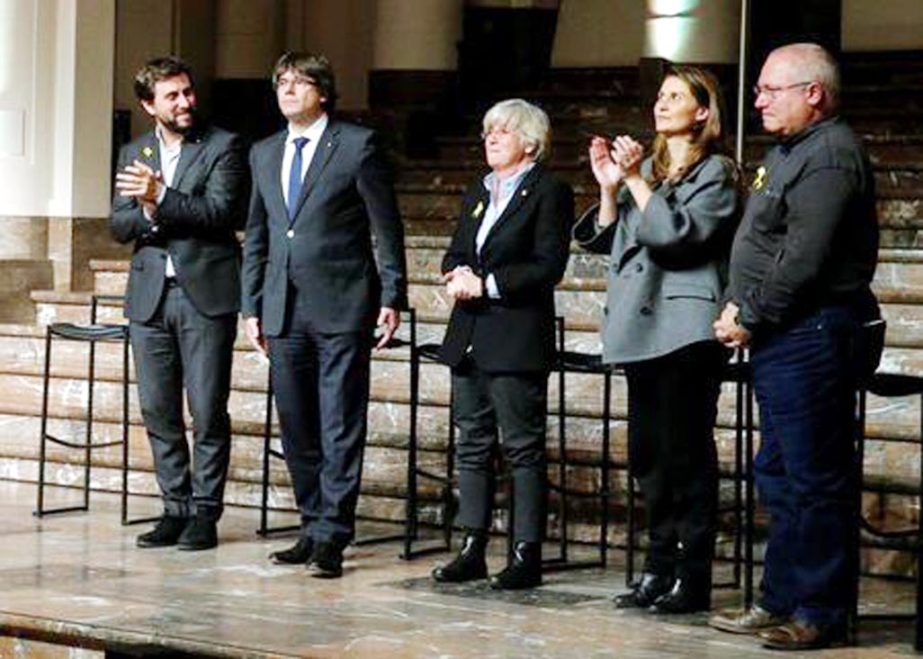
(56,69)
(692,31)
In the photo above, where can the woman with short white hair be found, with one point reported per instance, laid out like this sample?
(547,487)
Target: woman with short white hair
(508,253)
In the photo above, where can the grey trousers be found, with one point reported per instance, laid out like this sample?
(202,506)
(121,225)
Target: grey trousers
(181,348)
(515,404)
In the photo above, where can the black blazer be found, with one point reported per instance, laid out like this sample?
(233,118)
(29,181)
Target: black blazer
(326,251)
(195,224)
(526,251)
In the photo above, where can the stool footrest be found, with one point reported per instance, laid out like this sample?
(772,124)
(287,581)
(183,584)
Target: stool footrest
(82,445)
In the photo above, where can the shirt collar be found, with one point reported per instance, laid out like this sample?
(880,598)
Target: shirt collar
(312,132)
(158,132)
(789,143)
(509,184)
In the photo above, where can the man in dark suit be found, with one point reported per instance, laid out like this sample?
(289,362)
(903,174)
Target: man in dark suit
(180,194)
(312,293)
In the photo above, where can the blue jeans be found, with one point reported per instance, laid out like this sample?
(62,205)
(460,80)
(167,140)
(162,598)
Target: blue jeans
(805,380)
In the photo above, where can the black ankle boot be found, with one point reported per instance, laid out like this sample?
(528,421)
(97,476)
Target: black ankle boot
(469,564)
(644,592)
(524,570)
(686,596)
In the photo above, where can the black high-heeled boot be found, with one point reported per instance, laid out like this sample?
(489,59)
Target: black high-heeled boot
(470,563)
(524,570)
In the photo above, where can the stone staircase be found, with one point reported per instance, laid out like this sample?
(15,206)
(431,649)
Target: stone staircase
(580,102)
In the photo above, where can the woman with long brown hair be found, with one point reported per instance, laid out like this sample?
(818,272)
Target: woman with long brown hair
(667,222)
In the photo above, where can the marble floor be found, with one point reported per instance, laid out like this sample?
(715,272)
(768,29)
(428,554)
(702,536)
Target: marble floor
(79,576)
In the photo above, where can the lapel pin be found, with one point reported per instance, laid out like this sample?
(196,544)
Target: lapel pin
(147,152)
(524,192)
(760,179)
(478,209)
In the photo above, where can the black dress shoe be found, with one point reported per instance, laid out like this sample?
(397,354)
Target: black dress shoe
(524,571)
(644,592)
(297,554)
(326,561)
(164,534)
(683,597)
(200,533)
(468,565)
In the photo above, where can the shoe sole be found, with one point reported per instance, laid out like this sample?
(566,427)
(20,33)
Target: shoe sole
(183,547)
(275,560)
(154,545)
(731,628)
(319,573)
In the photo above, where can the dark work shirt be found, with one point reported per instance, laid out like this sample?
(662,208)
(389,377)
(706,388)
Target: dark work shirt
(809,236)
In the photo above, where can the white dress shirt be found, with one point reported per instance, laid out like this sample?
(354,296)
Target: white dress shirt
(313,133)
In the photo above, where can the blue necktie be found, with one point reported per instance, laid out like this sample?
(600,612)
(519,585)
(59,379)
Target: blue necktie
(294,177)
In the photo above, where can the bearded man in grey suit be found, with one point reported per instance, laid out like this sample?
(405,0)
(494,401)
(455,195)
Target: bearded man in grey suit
(181,192)
(313,292)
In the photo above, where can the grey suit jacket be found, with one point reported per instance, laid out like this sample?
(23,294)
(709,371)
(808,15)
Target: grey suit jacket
(325,252)
(668,264)
(195,224)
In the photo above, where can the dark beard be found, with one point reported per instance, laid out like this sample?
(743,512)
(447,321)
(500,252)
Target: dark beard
(173,127)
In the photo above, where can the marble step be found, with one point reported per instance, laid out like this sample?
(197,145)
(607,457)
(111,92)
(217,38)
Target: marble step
(579,302)
(390,394)
(442,202)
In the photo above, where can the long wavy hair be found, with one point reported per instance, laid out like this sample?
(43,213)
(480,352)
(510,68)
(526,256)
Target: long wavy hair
(707,136)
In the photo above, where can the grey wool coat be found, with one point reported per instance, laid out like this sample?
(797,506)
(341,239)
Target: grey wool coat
(667,267)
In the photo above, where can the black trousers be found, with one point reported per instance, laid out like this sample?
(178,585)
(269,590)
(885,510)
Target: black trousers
(672,407)
(179,347)
(515,404)
(321,386)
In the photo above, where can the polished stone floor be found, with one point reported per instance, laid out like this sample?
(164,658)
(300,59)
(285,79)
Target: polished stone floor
(79,576)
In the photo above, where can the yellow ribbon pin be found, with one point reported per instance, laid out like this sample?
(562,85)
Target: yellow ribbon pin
(760,179)
(478,210)
(147,152)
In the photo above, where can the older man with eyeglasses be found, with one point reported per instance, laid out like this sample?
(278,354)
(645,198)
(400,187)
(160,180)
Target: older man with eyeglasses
(800,273)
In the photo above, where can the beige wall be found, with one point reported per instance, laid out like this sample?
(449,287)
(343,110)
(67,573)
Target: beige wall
(890,25)
(599,33)
(144,30)
(417,35)
(250,36)
(343,30)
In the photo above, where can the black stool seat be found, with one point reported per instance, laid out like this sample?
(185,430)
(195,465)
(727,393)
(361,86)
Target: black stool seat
(895,384)
(94,332)
(582,362)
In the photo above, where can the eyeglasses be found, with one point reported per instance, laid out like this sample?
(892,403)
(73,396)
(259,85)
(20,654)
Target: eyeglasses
(499,131)
(773,92)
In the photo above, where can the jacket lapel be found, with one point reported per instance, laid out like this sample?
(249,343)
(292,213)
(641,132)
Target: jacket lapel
(190,150)
(275,152)
(477,210)
(149,153)
(329,140)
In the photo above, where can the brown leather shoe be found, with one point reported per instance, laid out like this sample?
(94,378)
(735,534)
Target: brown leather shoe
(746,621)
(801,635)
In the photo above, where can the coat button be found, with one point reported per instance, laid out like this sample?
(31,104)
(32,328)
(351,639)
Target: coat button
(639,267)
(646,311)
(290,233)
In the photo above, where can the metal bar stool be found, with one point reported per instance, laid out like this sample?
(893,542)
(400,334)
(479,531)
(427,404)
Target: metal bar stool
(906,539)
(90,334)
(270,453)
(579,362)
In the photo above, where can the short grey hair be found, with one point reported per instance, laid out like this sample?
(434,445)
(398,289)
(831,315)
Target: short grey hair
(526,119)
(816,64)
